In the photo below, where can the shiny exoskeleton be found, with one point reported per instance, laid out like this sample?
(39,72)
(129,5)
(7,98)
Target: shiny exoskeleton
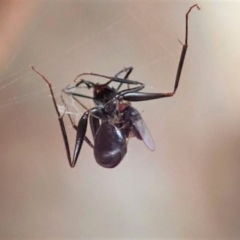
(112,120)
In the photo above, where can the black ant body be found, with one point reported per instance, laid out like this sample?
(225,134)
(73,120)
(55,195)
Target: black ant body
(113,120)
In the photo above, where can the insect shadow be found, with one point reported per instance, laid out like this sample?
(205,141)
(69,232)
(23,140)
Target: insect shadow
(112,120)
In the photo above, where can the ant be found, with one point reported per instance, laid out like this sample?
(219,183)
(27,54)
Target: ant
(112,120)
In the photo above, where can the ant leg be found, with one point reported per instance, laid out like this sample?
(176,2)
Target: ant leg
(86,139)
(112,79)
(94,124)
(115,79)
(128,72)
(141,96)
(81,133)
(81,128)
(88,84)
(76,94)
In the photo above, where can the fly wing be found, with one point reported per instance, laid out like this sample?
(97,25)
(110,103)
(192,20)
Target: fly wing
(143,131)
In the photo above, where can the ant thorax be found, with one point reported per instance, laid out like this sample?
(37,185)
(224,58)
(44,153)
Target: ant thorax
(118,117)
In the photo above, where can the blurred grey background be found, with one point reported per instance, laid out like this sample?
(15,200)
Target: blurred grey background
(188,187)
